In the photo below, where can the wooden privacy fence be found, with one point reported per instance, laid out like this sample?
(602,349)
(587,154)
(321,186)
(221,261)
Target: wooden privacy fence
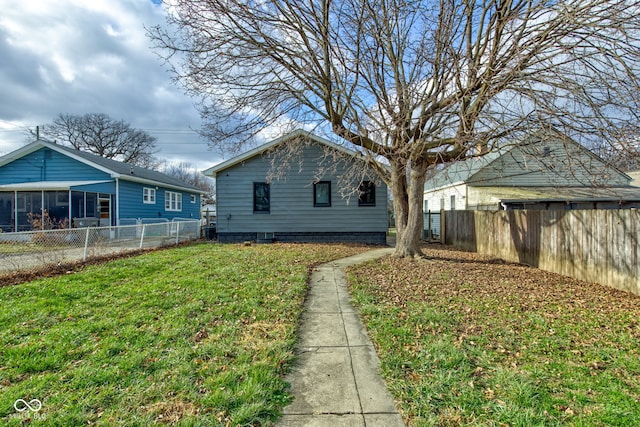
(593,245)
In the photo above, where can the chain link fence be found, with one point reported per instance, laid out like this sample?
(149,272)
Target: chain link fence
(35,250)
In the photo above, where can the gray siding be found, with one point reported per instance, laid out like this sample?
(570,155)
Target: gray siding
(292,207)
(548,164)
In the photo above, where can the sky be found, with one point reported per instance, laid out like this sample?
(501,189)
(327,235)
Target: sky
(92,56)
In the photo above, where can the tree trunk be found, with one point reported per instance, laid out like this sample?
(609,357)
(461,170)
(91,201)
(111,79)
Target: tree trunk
(398,188)
(407,202)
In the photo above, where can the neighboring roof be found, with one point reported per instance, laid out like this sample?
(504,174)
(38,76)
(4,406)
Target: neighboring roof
(564,194)
(115,169)
(47,185)
(461,171)
(471,170)
(264,147)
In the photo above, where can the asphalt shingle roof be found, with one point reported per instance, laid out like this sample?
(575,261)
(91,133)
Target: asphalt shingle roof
(125,169)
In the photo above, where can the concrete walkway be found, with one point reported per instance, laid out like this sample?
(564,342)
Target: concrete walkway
(336,380)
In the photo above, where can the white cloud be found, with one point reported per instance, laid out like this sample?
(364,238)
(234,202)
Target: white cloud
(77,57)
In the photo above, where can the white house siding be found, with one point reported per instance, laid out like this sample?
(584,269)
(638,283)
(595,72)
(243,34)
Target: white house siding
(434,199)
(485,198)
(291,208)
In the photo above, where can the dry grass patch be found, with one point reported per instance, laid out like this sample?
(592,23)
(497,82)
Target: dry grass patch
(172,411)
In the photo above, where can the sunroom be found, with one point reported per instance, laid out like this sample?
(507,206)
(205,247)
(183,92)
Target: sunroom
(48,205)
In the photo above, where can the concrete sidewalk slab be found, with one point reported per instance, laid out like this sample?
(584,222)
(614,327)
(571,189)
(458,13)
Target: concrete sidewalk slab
(336,380)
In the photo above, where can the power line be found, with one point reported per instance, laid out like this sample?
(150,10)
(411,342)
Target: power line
(169,130)
(180,143)
(14,124)
(151,130)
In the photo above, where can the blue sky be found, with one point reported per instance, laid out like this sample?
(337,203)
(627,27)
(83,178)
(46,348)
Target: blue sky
(79,56)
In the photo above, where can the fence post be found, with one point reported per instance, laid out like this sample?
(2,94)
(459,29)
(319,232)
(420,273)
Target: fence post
(142,235)
(86,244)
(177,232)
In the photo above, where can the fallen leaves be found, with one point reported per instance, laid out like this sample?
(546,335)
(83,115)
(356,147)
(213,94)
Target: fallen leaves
(479,288)
(519,332)
(171,411)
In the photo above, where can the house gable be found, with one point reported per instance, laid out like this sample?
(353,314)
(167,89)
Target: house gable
(546,170)
(45,164)
(552,161)
(458,172)
(292,210)
(298,134)
(67,157)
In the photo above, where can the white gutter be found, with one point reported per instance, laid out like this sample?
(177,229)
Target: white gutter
(156,183)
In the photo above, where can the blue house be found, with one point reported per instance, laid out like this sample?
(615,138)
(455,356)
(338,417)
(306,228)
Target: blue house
(69,185)
(299,188)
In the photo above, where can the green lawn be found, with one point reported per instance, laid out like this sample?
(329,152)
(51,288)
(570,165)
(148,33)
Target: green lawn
(465,340)
(197,335)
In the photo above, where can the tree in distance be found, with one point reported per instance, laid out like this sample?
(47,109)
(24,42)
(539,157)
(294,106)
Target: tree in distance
(99,134)
(189,174)
(414,83)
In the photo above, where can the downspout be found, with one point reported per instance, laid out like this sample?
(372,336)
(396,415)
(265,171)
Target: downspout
(117,208)
(70,206)
(466,196)
(15,211)
(42,210)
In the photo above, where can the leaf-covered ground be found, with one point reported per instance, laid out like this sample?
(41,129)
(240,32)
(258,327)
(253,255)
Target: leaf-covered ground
(467,340)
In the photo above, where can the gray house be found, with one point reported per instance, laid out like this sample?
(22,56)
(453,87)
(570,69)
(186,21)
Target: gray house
(299,188)
(545,171)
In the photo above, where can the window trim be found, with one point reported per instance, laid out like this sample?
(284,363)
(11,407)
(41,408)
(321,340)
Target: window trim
(268,197)
(318,185)
(364,188)
(172,201)
(194,198)
(148,196)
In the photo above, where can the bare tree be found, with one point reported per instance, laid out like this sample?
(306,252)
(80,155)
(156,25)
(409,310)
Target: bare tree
(189,174)
(623,154)
(100,134)
(413,82)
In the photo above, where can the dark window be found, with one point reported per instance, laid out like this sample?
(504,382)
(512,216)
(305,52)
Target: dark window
(261,197)
(322,194)
(367,194)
